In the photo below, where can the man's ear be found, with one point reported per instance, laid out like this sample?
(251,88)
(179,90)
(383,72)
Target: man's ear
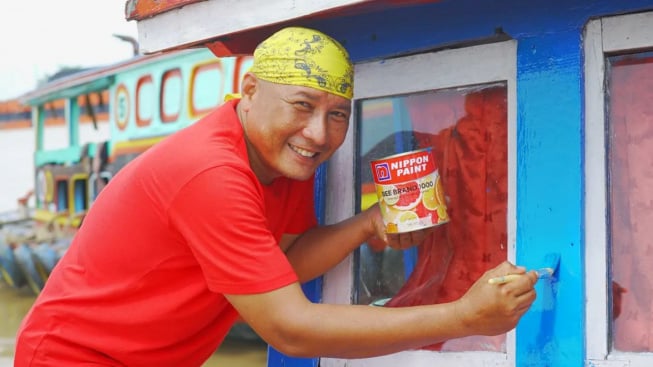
(248,86)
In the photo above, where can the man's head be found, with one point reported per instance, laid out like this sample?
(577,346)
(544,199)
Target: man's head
(296,103)
(305,57)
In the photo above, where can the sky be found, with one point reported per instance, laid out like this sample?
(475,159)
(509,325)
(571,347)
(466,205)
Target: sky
(38,37)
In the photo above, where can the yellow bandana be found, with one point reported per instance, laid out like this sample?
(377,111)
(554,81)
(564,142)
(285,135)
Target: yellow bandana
(307,58)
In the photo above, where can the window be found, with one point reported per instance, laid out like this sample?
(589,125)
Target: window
(145,101)
(61,198)
(242,64)
(172,88)
(206,88)
(79,193)
(466,128)
(451,103)
(619,177)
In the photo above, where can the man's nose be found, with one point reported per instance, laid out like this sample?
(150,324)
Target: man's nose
(316,129)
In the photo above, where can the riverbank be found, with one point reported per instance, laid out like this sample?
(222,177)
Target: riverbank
(14,304)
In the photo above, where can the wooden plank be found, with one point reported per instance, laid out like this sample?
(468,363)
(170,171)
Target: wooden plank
(140,9)
(596,317)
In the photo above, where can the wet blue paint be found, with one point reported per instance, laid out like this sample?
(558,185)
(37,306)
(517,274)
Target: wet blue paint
(550,194)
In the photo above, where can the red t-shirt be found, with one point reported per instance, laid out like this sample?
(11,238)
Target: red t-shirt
(143,281)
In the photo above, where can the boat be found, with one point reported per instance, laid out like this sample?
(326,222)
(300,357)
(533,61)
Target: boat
(9,269)
(109,115)
(560,93)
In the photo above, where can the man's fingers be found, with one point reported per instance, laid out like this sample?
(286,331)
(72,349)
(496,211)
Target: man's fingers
(408,239)
(400,241)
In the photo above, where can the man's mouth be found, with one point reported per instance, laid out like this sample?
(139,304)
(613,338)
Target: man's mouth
(303,152)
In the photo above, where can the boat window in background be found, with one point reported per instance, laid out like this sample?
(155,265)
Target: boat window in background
(171,95)
(206,87)
(630,196)
(467,131)
(145,100)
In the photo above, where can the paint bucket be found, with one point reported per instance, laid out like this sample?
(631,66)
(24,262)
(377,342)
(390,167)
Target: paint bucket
(409,190)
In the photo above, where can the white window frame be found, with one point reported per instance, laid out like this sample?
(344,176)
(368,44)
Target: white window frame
(412,74)
(605,35)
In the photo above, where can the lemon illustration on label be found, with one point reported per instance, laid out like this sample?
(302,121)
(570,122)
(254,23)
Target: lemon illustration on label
(439,191)
(442,214)
(430,198)
(390,213)
(391,198)
(408,216)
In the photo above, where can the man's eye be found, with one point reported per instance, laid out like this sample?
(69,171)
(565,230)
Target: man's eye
(303,104)
(340,115)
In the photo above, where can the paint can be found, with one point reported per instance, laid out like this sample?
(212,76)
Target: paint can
(409,190)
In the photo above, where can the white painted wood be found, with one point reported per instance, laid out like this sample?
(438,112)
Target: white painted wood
(411,74)
(593,363)
(621,359)
(610,34)
(627,31)
(426,359)
(207,19)
(439,70)
(595,196)
(630,360)
(337,283)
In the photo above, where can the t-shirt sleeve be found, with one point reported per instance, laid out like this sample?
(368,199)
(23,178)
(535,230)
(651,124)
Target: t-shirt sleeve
(220,214)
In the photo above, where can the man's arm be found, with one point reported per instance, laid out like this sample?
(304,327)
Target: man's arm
(292,324)
(321,248)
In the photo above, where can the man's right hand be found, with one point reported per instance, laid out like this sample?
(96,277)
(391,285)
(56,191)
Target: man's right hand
(492,309)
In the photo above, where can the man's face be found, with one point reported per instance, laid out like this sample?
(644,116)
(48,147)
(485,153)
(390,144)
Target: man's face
(290,130)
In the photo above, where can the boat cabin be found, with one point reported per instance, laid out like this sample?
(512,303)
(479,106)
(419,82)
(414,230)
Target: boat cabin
(538,115)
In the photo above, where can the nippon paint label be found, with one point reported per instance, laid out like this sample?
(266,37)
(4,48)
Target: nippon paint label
(409,190)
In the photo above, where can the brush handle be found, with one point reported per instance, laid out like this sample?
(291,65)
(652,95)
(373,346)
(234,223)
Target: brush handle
(541,273)
(504,279)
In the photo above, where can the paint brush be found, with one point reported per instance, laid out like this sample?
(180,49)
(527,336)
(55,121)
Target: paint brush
(551,260)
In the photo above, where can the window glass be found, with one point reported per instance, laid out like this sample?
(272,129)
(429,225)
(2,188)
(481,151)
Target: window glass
(630,196)
(80,194)
(207,88)
(171,95)
(467,131)
(145,101)
(62,195)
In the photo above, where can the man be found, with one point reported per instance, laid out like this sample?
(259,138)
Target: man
(217,222)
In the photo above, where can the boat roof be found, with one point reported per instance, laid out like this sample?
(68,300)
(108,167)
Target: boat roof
(87,81)
(212,23)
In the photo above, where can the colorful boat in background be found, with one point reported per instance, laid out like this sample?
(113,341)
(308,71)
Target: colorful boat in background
(111,114)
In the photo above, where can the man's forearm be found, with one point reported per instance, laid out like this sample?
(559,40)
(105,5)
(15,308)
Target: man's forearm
(321,248)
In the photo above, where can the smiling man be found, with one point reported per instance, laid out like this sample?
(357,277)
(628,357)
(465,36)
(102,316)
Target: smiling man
(217,221)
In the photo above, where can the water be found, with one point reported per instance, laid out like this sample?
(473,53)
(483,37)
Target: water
(14,305)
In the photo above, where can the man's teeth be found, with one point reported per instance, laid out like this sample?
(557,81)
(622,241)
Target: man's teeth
(304,153)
